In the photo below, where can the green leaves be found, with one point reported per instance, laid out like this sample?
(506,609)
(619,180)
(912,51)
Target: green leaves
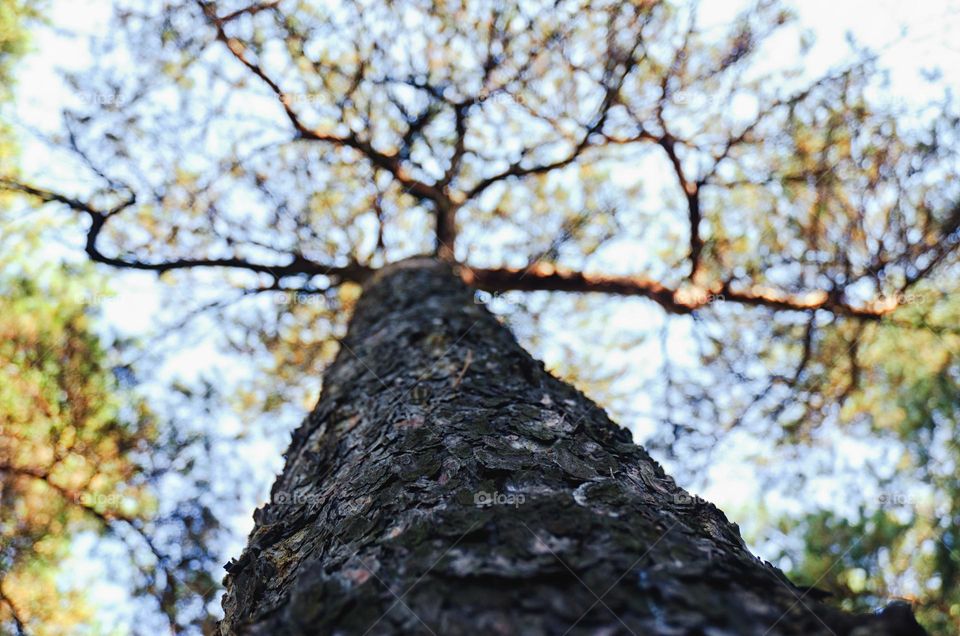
(66,458)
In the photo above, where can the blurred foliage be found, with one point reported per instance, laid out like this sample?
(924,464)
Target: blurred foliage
(901,539)
(80,451)
(620,138)
(16,16)
(65,446)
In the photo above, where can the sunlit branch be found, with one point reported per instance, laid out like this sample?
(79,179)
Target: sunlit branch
(545,277)
(676,301)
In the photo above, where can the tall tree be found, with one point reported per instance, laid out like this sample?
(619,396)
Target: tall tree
(307,147)
(446,483)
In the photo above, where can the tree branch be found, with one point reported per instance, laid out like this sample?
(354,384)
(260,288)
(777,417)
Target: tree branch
(392,163)
(611,93)
(298,266)
(539,277)
(675,301)
(691,191)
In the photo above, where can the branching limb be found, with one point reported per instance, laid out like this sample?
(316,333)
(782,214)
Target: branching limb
(541,277)
(615,80)
(676,301)
(691,191)
(392,163)
(298,265)
(948,243)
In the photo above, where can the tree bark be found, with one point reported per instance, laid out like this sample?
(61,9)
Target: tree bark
(447,484)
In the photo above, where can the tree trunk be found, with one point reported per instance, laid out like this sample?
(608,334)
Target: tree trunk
(447,484)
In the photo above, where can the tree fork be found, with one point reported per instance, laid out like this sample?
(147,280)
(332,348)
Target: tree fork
(446,483)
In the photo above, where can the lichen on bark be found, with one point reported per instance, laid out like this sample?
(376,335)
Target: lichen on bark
(446,483)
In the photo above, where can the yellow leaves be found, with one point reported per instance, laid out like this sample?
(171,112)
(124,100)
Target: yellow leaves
(436,57)
(47,547)
(184,177)
(326,200)
(805,143)
(889,417)
(349,294)
(348,59)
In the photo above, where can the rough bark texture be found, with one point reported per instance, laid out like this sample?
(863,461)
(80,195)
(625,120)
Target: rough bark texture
(447,484)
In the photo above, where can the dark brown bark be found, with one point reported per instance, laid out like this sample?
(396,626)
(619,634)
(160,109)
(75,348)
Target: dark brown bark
(447,484)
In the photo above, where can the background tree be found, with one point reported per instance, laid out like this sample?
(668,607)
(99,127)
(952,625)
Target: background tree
(805,242)
(81,453)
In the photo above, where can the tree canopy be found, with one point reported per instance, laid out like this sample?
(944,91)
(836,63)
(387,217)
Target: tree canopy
(797,233)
